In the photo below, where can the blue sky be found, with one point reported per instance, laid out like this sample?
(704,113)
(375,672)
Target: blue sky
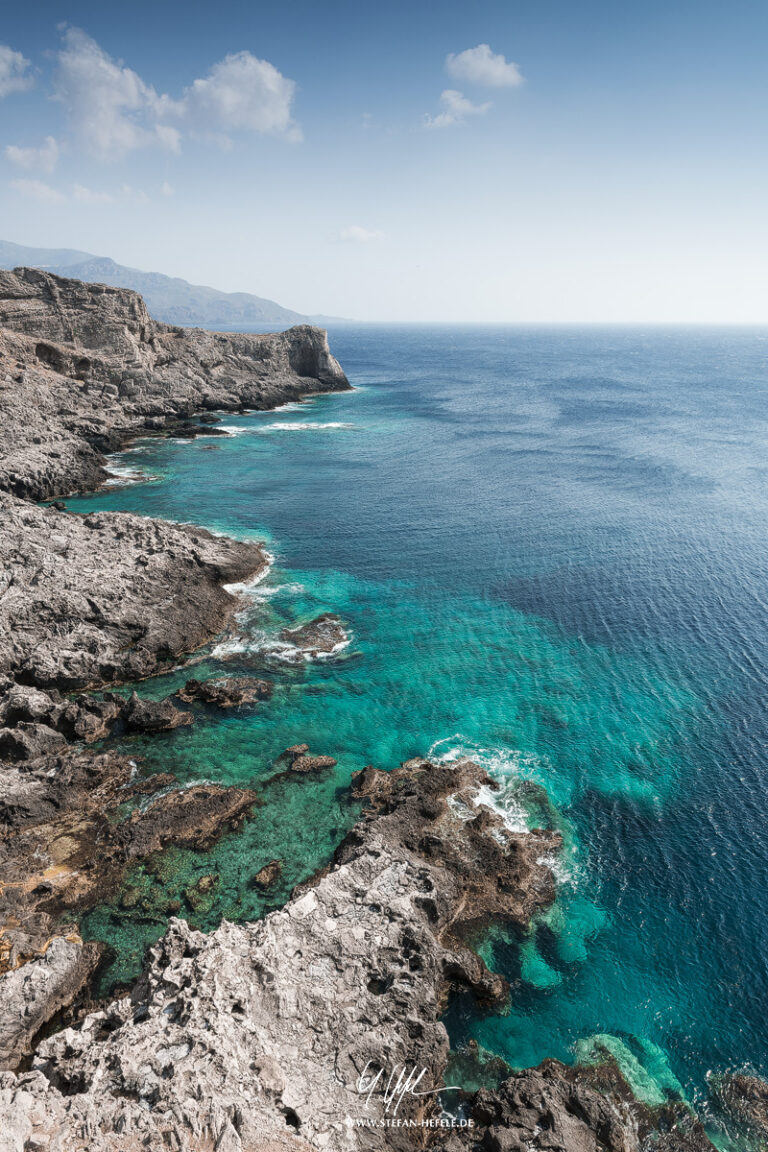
(536,161)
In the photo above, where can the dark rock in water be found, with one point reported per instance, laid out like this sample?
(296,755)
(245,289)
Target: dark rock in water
(267,876)
(555,1108)
(299,760)
(745,1098)
(66,842)
(320,637)
(154,715)
(312,763)
(226,691)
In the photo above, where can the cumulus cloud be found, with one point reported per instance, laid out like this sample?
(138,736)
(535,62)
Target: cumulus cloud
(358,235)
(15,73)
(113,112)
(38,190)
(167,189)
(483,67)
(242,93)
(45,157)
(456,108)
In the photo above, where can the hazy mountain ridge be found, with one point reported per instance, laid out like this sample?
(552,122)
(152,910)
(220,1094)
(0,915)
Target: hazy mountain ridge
(168,298)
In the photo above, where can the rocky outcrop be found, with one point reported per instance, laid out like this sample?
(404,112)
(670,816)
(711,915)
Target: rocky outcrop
(226,691)
(320,637)
(283,1034)
(258,1035)
(744,1099)
(84,366)
(554,1108)
(72,822)
(85,600)
(153,715)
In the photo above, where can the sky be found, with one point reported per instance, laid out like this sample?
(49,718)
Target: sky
(499,161)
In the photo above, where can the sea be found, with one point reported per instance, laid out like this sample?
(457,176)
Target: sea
(549,547)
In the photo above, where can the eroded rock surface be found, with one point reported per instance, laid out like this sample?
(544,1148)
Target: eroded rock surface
(86,600)
(256,1036)
(84,366)
(268,1035)
(554,1108)
(226,691)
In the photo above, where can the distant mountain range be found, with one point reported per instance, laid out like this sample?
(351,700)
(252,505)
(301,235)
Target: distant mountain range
(168,298)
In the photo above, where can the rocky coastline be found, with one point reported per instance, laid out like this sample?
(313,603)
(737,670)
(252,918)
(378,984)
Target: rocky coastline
(267,1035)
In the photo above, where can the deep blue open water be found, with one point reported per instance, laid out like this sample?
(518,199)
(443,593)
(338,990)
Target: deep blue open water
(550,545)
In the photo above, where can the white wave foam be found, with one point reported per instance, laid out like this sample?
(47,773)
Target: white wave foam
(271,648)
(307,426)
(506,767)
(250,587)
(122,474)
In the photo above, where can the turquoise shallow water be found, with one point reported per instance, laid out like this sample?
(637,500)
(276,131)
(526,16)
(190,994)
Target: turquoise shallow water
(549,546)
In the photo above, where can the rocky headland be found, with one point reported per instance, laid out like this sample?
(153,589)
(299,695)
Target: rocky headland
(91,601)
(275,1035)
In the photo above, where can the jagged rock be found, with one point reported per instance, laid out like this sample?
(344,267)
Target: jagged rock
(32,994)
(66,842)
(320,637)
(125,598)
(27,741)
(154,715)
(257,1035)
(299,760)
(745,1098)
(226,691)
(267,876)
(554,1108)
(83,366)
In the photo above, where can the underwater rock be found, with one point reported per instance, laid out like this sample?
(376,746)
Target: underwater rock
(67,840)
(267,876)
(154,715)
(226,691)
(745,1097)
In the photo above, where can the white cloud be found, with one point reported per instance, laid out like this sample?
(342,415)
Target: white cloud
(112,111)
(483,67)
(38,190)
(15,74)
(166,189)
(359,235)
(45,157)
(456,109)
(242,93)
(88,196)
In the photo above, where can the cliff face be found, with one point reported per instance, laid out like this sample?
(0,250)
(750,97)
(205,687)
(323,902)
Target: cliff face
(83,366)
